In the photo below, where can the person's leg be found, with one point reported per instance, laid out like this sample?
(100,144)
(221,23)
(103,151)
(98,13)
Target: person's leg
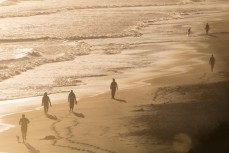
(25,133)
(22,134)
(113,94)
(72,106)
(45,109)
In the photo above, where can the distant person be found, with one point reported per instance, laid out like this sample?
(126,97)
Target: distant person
(113,88)
(212,62)
(72,100)
(207,28)
(46,102)
(24,123)
(189,31)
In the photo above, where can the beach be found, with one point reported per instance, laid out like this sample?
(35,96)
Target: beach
(167,94)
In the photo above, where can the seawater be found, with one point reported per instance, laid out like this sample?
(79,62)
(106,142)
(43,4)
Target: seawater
(54,46)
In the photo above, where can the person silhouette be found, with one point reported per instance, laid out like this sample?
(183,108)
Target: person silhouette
(24,123)
(212,62)
(113,88)
(46,102)
(72,100)
(207,28)
(189,31)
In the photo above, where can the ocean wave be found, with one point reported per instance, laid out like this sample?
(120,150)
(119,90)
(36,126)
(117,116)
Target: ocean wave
(73,80)
(36,12)
(128,33)
(115,48)
(39,56)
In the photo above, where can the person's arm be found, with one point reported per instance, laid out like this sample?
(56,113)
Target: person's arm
(42,103)
(75,98)
(20,122)
(117,86)
(49,102)
(69,98)
(28,121)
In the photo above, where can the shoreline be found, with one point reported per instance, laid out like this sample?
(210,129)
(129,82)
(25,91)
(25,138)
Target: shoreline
(97,117)
(146,27)
(25,105)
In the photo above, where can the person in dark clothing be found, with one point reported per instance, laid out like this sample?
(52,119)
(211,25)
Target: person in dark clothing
(207,28)
(113,88)
(212,62)
(46,102)
(72,100)
(24,123)
(189,31)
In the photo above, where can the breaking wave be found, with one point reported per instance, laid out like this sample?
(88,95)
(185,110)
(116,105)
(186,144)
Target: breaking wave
(48,11)
(39,56)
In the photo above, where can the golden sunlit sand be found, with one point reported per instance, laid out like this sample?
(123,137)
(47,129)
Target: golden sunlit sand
(161,108)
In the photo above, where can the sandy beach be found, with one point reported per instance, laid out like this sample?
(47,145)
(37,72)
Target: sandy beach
(164,109)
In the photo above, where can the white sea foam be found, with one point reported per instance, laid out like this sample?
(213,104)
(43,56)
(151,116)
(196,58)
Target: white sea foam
(51,46)
(1,1)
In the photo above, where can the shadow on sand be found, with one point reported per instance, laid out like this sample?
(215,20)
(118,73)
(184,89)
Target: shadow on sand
(78,114)
(193,110)
(52,117)
(31,148)
(120,100)
(211,35)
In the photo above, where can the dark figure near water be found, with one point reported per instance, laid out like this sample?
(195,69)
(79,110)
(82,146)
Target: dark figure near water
(113,88)
(212,62)
(207,28)
(46,102)
(72,100)
(24,123)
(189,31)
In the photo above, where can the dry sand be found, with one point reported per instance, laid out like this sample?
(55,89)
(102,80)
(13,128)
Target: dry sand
(163,116)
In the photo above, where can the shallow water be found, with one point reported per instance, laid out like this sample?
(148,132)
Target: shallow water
(55,46)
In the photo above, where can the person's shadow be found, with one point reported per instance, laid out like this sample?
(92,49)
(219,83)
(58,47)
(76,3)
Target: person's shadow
(120,100)
(31,148)
(52,117)
(78,114)
(211,35)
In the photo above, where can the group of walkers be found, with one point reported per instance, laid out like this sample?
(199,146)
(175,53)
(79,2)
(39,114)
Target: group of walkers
(207,28)
(46,103)
(72,97)
(212,58)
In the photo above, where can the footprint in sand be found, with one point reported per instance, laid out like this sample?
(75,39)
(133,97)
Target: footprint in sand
(79,146)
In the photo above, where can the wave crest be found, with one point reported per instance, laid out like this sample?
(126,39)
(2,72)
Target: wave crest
(42,55)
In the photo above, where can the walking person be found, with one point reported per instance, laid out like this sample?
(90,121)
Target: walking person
(207,28)
(24,124)
(212,62)
(113,88)
(46,102)
(189,31)
(72,100)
